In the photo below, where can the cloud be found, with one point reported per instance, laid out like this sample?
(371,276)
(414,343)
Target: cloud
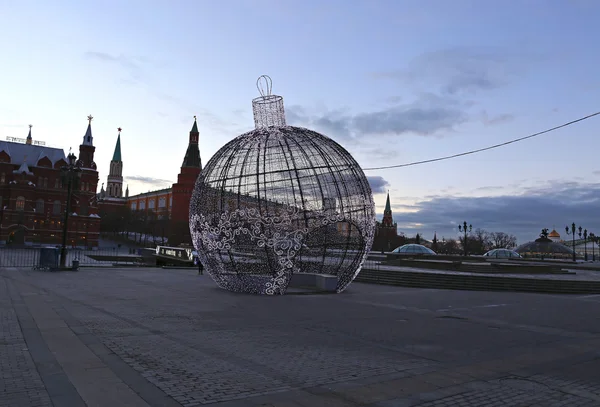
(378,184)
(461,70)
(499,119)
(131,64)
(555,204)
(155,182)
(427,115)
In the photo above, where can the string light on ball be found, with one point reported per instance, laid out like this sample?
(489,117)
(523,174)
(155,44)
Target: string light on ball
(279,201)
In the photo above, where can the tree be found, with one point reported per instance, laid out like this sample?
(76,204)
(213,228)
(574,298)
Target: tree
(418,239)
(449,246)
(501,240)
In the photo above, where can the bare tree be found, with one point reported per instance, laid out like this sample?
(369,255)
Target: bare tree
(501,240)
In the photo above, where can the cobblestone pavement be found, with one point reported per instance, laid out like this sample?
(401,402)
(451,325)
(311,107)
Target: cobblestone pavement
(170,338)
(20,383)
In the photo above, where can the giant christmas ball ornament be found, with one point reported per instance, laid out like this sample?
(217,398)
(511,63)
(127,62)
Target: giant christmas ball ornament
(281,200)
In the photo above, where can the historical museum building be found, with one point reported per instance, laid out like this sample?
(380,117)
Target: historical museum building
(33,199)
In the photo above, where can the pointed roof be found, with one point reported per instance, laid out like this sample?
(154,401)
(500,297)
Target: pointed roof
(24,168)
(192,155)
(194,127)
(117,153)
(29,138)
(388,207)
(88,140)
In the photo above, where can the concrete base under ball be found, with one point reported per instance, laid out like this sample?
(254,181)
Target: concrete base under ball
(320,282)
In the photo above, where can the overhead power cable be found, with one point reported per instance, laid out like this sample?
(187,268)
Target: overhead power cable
(479,150)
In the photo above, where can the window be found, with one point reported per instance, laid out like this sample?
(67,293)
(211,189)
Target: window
(2,178)
(162,202)
(151,204)
(56,208)
(142,205)
(1,203)
(83,207)
(56,183)
(40,182)
(110,190)
(39,206)
(45,182)
(20,203)
(171,201)
(134,206)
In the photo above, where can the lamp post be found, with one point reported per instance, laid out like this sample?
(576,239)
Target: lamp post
(585,236)
(571,231)
(463,228)
(70,174)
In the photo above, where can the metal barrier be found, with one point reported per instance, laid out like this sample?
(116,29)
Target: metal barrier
(48,257)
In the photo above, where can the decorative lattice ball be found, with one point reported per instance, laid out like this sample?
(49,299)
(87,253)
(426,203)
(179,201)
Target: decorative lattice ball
(281,200)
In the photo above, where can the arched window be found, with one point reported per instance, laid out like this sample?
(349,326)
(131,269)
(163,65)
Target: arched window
(142,205)
(40,182)
(45,182)
(20,203)
(2,178)
(151,203)
(110,190)
(39,206)
(56,183)
(56,207)
(134,206)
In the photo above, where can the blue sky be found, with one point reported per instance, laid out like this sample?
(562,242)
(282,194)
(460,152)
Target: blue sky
(393,81)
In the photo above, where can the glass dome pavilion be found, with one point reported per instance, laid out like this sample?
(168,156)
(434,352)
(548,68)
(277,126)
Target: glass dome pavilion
(413,249)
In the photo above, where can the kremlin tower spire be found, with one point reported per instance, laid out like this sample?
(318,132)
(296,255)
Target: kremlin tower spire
(387,220)
(114,186)
(183,188)
(192,155)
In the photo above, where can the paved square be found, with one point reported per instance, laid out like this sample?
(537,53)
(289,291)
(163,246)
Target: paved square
(153,337)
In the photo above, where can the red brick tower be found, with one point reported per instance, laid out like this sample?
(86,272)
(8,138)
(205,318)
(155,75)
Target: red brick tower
(84,202)
(182,191)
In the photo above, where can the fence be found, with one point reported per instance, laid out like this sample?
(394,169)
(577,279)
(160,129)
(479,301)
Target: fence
(49,257)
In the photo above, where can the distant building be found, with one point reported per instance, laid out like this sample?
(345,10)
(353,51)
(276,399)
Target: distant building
(182,191)
(554,236)
(33,198)
(386,231)
(168,204)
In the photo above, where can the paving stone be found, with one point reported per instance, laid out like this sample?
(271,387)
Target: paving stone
(176,333)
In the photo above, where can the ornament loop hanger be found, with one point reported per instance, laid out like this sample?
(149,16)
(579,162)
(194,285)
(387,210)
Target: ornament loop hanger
(268,85)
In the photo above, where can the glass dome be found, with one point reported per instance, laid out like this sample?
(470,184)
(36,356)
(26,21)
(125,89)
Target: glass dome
(413,249)
(539,248)
(280,200)
(502,253)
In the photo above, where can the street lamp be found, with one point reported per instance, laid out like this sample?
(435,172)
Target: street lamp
(465,229)
(594,239)
(571,231)
(585,236)
(70,175)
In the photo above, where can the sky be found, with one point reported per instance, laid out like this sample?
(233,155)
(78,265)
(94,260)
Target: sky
(393,81)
